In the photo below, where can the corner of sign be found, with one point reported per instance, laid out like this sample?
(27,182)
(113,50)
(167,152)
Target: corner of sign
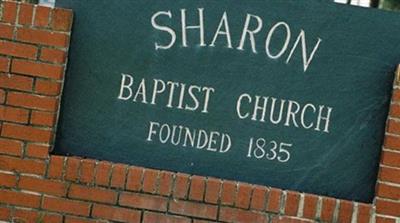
(397,75)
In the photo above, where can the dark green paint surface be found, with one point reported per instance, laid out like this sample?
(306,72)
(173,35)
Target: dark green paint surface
(351,72)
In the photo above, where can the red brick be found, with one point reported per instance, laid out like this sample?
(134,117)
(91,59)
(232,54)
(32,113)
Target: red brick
(213,188)
(388,191)
(390,158)
(364,212)
(37,69)
(274,200)
(118,176)
(53,55)
(150,180)
(392,142)
(41,118)
(292,203)
(92,194)
(42,37)
(165,187)
(72,171)
(385,220)
(12,81)
(115,213)
(26,133)
(9,11)
(193,209)
(328,208)
(181,185)
(66,206)
(32,101)
(45,186)
(258,199)
(345,211)
(389,174)
(37,151)
(22,165)
(4,64)
(87,171)
(394,110)
(243,195)
(35,216)
(10,147)
(241,216)
(287,219)
(25,14)
(12,114)
(152,217)
(389,208)
(202,221)
(310,206)
(19,199)
(393,126)
(103,173)
(6,31)
(62,19)
(2,96)
(396,95)
(18,49)
(42,16)
(143,201)
(228,194)
(47,87)
(56,167)
(5,213)
(197,187)
(8,180)
(70,219)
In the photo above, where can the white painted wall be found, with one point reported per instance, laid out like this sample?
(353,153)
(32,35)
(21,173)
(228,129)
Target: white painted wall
(363,3)
(50,3)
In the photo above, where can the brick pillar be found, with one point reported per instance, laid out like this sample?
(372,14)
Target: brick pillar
(34,42)
(388,185)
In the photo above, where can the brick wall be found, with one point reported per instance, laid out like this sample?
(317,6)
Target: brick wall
(37,186)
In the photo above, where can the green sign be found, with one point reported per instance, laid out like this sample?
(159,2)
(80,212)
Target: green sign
(290,94)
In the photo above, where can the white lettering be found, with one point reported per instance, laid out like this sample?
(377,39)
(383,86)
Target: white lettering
(200,27)
(250,33)
(226,32)
(306,61)
(125,86)
(163,28)
(268,40)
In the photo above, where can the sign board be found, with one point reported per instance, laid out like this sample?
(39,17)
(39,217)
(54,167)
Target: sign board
(290,94)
